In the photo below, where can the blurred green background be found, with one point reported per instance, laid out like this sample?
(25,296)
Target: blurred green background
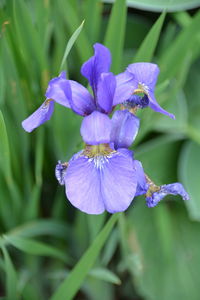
(50,250)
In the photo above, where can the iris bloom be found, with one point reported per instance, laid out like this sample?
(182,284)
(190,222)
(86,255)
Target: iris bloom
(103,176)
(143,86)
(108,90)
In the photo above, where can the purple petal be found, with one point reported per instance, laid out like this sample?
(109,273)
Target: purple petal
(118,183)
(125,127)
(142,185)
(126,152)
(81,101)
(155,106)
(40,116)
(145,73)
(106,91)
(82,183)
(60,172)
(96,128)
(173,189)
(124,88)
(59,90)
(97,64)
(155,198)
(101,182)
(70,94)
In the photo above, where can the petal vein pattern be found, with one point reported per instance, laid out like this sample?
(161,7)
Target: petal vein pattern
(92,184)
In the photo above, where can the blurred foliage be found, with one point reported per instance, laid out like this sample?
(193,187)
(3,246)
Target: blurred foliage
(49,249)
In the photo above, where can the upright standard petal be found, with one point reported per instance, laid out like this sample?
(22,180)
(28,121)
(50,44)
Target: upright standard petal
(40,116)
(97,64)
(145,73)
(59,90)
(83,186)
(125,85)
(96,128)
(106,92)
(125,127)
(173,189)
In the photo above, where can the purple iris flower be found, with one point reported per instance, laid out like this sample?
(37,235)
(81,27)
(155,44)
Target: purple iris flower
(107,90)
(102,176)
(177,188)
(145,78)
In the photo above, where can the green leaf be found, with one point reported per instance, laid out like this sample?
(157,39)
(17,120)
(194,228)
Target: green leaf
(71,18)
(189,166)
(4,149)
(41,227)
(70,44)
(157,5)
(93,17)
(148,46)
(148,239)
(11,277)
(173,59)
(70,286)
(105,275)
(110,247)
(115,33)
(95,224)
(34,247)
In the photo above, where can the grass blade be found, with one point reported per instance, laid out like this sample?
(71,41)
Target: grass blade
(11,277)
(148,46)
(4,149)
(33,247)
(70,44)
(115,33)
(72,283)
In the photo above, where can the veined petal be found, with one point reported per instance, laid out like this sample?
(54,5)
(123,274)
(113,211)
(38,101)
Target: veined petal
(173,189)
(96,128)
(125,85)
(118,183)
(101,182)
(106,91)
(59,90)
(81,101)
(82,183)
(40,116)
(145,73)
(97,64)
(125,127)
(155,106)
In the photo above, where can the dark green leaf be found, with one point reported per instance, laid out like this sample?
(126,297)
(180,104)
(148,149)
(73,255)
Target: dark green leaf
(148,46)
